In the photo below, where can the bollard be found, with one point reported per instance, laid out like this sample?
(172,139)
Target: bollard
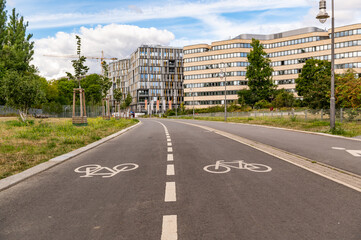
(306,115)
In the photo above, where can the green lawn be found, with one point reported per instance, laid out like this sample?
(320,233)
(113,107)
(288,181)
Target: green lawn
(347,129)
(22,147)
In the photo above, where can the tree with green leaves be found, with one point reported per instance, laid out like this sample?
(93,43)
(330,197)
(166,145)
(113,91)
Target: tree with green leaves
(314,84)
(79,66)
(348,90)
(22,91)
(3,19)
(117,95)
(106,83)
(21,87)
(93,88)
(259,72)
(259,76)
(128,100)
(246,96)
(283,99)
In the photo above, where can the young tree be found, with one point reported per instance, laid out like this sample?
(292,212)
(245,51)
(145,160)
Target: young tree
(106,84)
(313,84)
(128,100)
(348,90)
(79,65)
(259,72)
(117,94)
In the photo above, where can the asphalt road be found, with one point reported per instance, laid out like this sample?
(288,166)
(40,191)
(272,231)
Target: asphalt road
(169,195)
(315,147)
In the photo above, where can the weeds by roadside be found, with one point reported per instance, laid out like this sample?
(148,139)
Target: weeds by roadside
(348,129)
(24,145)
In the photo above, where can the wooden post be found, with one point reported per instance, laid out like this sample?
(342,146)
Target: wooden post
(108,108)
(81,102)
(84,102)
(74,95)
(103,108)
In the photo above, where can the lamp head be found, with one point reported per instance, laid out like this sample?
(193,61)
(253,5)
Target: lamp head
(322,15)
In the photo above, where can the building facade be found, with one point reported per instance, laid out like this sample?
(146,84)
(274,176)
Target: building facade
(204,65)
(153,76)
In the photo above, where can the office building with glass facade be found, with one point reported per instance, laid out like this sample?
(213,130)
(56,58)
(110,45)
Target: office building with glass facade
(153,77)
(288,52)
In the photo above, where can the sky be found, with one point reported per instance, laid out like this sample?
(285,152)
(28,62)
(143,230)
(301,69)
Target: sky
(118,27)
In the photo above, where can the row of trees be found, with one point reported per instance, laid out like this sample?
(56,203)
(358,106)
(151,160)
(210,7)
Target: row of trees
(20,85)
(313,84)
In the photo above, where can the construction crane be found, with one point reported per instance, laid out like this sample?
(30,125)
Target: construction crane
(102,58)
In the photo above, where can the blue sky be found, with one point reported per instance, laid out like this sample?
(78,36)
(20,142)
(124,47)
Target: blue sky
(118,27)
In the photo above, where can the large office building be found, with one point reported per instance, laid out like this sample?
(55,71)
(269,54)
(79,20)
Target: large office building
(153,76)
(204,84)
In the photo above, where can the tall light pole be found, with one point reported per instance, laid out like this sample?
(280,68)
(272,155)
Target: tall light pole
(322,16)
(221,74)
(193,100)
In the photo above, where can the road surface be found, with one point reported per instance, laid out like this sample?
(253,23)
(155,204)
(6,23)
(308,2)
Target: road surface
(169,180)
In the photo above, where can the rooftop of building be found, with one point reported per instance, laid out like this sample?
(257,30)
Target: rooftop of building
(281,34)
(159,46)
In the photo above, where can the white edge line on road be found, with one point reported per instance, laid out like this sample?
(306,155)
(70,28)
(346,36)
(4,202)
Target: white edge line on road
(170,170)
(170,157)
(170,192)
(169,228)
(17,178)
(226,134)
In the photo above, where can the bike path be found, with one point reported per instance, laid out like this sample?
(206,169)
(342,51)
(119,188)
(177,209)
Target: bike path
(59,204)
(286,203)
(322,148)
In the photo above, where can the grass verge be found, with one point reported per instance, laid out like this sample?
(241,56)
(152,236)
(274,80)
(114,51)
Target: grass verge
(24,146)
(347,129)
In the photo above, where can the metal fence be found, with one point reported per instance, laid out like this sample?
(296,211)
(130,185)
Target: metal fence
(5,111)
(64,112)
(342,115)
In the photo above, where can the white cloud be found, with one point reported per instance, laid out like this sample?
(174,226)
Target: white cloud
(159,10)
(115,40)
(346,13)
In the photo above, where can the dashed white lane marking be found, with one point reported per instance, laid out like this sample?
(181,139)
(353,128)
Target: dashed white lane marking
(338,148)
(169,228)
(170,170)
(170,149)
(170,192)
(168,140)
(169,144)
(170,157)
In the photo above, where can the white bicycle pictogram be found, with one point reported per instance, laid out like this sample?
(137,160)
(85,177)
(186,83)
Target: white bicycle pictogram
(223,167)
(97,170)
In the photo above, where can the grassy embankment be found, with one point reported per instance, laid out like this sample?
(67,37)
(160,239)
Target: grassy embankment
(347,129)
(22,147)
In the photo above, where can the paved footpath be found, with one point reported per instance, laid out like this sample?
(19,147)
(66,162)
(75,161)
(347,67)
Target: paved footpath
(169,180)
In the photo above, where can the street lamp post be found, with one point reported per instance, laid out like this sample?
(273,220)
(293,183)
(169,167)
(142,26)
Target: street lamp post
(322,16)
(221,74)
(193,100)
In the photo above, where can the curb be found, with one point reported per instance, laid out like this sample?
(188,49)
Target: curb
(19,177)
